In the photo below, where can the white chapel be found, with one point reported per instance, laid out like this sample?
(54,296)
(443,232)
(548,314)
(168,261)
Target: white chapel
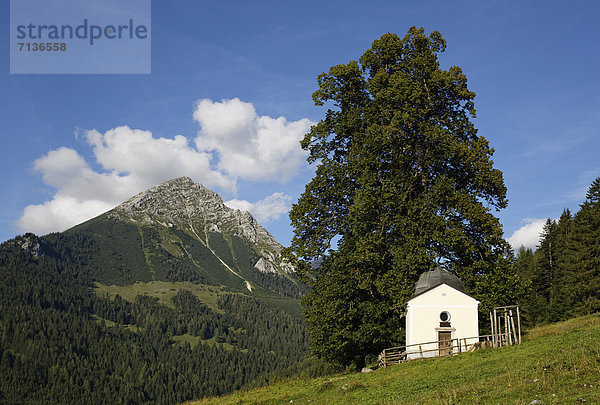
(440,316)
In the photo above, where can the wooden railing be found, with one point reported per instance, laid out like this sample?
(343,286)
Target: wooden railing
(400,354)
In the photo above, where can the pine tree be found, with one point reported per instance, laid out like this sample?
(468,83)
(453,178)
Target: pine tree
(546,260)
(582,264)
(560,301)
(533,305)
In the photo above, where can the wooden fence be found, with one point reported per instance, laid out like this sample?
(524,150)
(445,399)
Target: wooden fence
(400,354)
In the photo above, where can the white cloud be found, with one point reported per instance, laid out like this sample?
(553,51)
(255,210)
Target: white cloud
(265,210)
(245,145)
(527,235)
(250,146)
(59,214)
(131,161)
(59,165)
(154,160)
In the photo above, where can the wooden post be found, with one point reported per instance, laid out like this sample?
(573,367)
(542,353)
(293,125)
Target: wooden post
(421,351)
(519,324)
(496,332)
(499,331)
(493,330)
(511,331)
(506,327)
(492,326)
(510,324)
(384,362)
(514,331)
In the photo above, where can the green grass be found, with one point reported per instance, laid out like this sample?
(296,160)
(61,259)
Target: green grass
(556,364)
(110,324)
(194,340)
(170,242)
(163,290)
(207,294)
(187,338)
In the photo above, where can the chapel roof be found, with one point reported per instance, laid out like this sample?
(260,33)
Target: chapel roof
(435,277)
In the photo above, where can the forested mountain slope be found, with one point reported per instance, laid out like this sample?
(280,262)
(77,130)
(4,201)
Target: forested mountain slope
(168,297)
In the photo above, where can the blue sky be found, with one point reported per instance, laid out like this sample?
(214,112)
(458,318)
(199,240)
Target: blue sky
(230,94)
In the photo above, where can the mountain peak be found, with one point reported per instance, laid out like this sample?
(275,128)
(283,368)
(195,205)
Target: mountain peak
(182,231)
(196,210)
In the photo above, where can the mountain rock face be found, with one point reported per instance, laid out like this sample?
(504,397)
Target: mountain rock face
(199,211)
(182,231)
(194,208)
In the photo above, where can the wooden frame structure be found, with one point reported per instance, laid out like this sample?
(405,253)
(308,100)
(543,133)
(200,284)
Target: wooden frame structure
(504,330)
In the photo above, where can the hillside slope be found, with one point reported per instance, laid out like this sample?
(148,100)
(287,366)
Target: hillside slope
(170,296)
(556,364)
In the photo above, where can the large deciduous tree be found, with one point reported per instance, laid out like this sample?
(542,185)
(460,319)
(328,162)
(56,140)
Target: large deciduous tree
(402,181)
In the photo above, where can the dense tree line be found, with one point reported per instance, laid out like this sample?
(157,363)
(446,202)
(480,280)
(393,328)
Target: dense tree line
(564,271)
(61,343)
(288,287)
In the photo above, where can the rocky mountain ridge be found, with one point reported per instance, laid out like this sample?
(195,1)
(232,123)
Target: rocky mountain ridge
(184,203)
(199,211)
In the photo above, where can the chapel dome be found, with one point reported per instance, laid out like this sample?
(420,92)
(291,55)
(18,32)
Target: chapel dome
(435,277)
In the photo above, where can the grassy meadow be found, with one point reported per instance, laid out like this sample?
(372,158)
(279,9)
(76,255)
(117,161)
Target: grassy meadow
(556,364)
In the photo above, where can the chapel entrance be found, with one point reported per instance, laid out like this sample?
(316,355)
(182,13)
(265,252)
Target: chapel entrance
(445,343)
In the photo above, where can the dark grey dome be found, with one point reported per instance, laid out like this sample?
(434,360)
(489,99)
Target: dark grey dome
(433,278)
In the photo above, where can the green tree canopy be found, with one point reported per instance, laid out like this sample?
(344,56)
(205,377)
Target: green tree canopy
(402,180)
